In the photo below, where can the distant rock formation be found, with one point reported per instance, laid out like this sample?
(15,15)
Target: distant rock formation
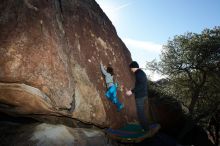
(49,65)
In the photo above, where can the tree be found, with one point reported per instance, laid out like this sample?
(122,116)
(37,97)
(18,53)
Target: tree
(192,64)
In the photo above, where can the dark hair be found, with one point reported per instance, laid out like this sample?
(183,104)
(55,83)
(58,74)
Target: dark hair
(110,70)
(134,64)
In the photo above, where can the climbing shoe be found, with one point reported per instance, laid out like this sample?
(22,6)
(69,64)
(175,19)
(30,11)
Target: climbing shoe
(120,107)
(154,128)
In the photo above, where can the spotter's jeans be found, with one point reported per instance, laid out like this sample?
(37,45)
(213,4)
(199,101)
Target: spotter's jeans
(142,117)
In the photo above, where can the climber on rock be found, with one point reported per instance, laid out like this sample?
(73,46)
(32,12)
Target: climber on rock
(111,93)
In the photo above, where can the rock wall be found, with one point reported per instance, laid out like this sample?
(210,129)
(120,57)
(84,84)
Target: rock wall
(49,65)
(37,134)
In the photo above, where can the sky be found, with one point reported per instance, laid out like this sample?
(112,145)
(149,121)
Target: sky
(146,25)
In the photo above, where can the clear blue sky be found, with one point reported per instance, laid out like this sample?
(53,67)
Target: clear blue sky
(146,25)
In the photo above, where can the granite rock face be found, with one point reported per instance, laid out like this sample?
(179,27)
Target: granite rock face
(49,65)
(37,134)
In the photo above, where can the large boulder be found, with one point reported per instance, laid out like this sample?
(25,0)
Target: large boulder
(43,134)
(175,123)
(49,65)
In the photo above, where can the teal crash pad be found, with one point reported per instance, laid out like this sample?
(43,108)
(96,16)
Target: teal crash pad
(130,133)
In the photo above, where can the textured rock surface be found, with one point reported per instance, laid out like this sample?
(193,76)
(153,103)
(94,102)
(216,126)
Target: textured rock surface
(50,54)
(50,135)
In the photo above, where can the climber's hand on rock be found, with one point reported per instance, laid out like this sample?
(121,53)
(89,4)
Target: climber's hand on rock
(128,93)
